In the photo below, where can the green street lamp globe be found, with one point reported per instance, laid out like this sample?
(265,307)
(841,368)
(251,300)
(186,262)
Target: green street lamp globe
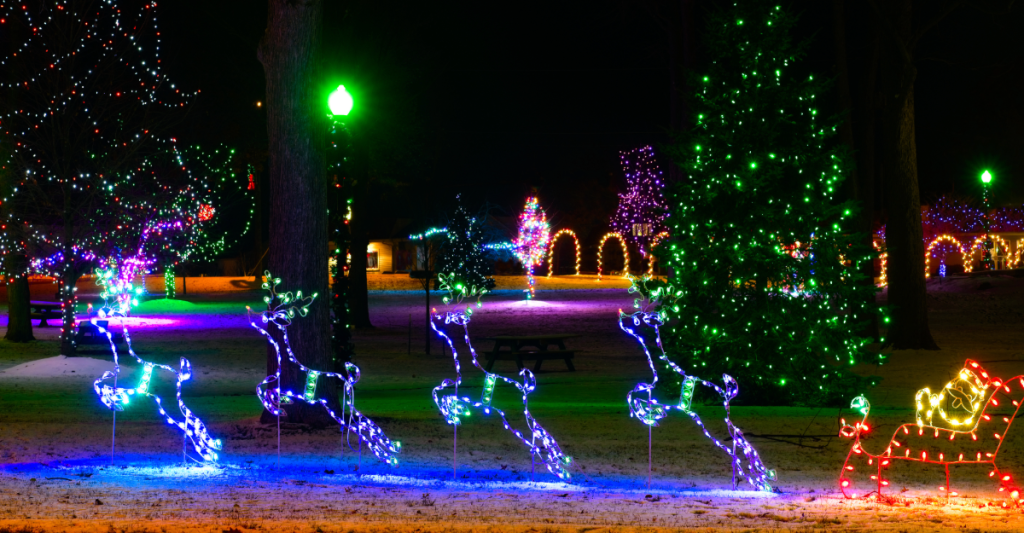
(340,101)
(986,177)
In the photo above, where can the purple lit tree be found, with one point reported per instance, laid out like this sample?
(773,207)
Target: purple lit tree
(642,209)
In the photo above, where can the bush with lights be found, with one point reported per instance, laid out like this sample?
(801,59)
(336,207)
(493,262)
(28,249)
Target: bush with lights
(462,250)
(761,256)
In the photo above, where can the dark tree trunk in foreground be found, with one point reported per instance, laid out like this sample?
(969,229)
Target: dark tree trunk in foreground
(860,183)
(359,298)
(296,126)
(904,234)
(19,320)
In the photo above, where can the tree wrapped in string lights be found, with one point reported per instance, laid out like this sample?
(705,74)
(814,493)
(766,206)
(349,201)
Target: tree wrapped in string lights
(642,208)
(532,241)
(83,106)
(282,308)
(646,408)
(456,408)
(765,260)
(462,251)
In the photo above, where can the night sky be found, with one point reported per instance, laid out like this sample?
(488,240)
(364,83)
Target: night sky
(493,100)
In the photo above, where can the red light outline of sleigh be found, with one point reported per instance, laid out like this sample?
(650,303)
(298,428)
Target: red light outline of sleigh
(985,388)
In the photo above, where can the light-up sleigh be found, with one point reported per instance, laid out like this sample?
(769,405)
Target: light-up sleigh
(964,423)
(455,408)
(282,308)
(745,461)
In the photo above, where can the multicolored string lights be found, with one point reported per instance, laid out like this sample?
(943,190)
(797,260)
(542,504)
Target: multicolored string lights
(649,410)
(551,250)
(117,398)
(281,310)
(956,425)
(532,241)
(456,409)
(600,253)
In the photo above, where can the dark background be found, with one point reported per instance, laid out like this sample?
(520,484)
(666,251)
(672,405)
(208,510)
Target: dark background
(494,99)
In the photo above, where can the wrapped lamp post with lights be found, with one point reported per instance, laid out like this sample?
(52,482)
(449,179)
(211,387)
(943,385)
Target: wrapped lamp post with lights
(986,256)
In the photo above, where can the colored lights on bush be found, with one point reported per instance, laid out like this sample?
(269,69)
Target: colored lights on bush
(281,310)
(456,409)
(649,410)
(118,398)
(953,426)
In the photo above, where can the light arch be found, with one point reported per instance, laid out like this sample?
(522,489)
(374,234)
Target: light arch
(937,241)
(625,252)
(976,245)
(882,279)
(551,250)
(656,240)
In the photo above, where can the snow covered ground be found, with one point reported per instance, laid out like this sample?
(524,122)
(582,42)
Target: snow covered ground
(55,437)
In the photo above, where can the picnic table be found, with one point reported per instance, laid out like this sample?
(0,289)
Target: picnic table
(43,310)
(532,347)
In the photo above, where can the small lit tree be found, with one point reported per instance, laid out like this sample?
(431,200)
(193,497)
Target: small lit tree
(462,250)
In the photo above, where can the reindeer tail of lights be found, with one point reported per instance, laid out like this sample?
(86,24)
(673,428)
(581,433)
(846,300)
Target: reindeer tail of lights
(746,463)
(457,410)
(964,423)
(282,308)
(118,398)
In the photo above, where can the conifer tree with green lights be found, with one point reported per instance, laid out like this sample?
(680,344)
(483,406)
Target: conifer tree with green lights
(462,251)
(762,256)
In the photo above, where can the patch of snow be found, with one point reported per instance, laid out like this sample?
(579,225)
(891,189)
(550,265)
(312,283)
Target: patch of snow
(60,366)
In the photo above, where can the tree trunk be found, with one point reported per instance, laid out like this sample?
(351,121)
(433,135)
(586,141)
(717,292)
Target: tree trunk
(19,319)
(296,126)
(859,184)
(867,166)
(359,297)
(69,278)
(904,234)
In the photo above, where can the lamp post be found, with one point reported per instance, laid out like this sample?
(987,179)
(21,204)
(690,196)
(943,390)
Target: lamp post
(339,102)
(986,258)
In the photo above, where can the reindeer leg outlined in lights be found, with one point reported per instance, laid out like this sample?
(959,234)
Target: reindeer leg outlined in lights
(454,408)
(650,410)
(270,393)
(116,398)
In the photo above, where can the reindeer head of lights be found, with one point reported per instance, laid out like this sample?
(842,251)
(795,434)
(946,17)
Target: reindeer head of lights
(456,409)
(117,398)
(281,310)
(653,297)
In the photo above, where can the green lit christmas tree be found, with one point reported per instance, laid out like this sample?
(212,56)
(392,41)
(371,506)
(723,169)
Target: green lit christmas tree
(462,252)
(762,257)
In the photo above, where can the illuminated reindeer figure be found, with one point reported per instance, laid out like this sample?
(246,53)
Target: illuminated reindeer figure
(281,310)
(649,410)
(964,408)
(117,398)
(454,408)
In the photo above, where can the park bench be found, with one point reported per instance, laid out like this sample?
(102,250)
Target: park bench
(43,311)
(530,347)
